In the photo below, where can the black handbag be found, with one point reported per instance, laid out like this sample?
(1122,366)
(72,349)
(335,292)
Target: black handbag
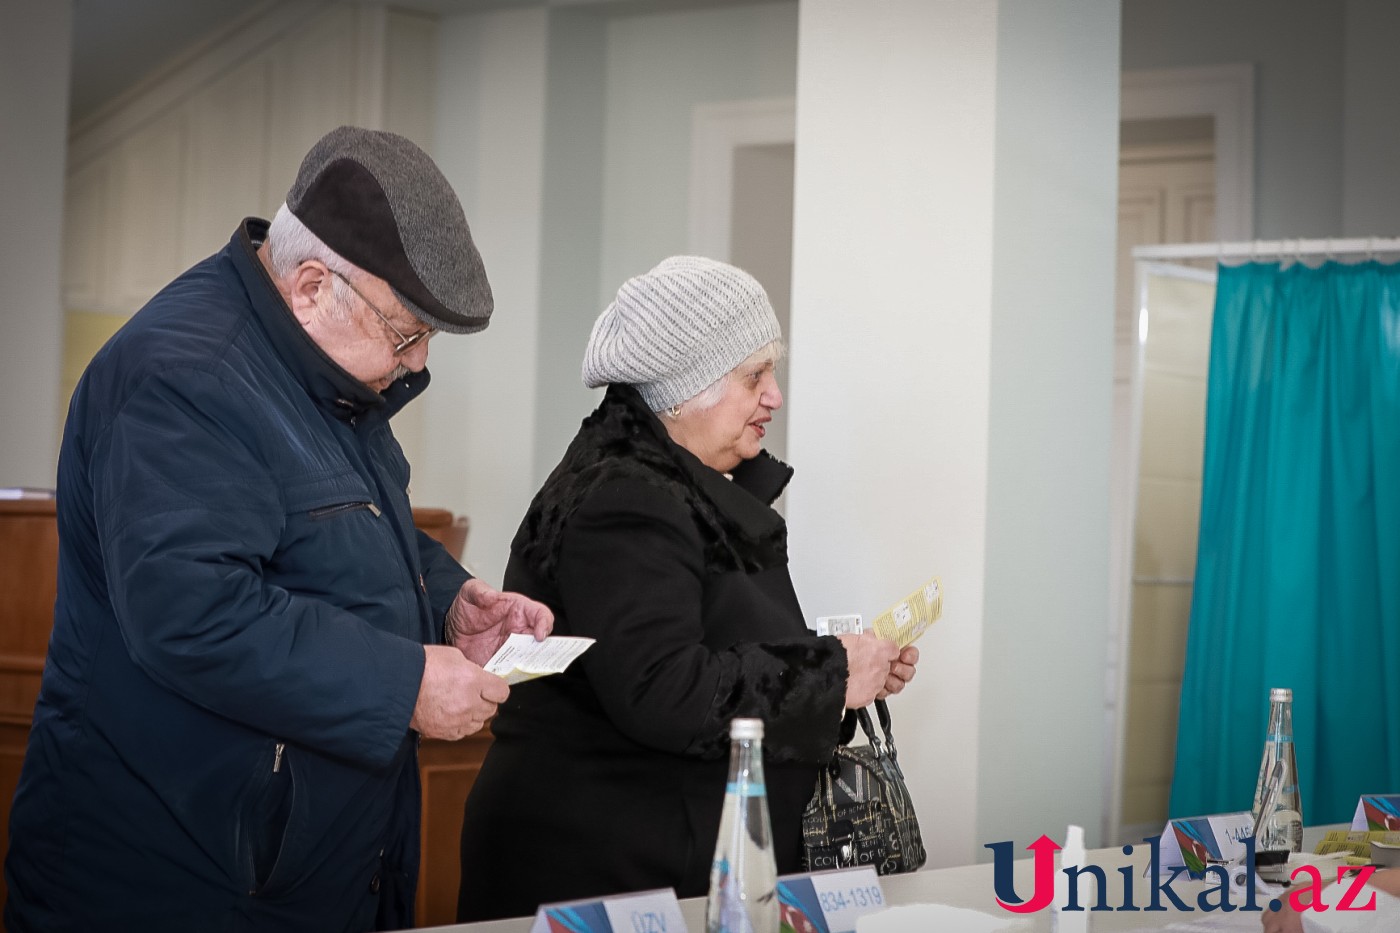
(861,813)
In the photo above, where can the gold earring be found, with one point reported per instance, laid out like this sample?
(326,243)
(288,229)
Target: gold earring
(674,411)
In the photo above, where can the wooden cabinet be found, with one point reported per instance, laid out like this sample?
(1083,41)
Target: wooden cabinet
(28,588)
(448,771)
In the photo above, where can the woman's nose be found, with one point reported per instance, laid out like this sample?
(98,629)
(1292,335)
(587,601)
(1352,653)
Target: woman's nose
(772,397)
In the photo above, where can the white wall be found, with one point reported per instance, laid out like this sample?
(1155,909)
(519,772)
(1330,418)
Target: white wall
(659,67)
(1371,120)
(35,49)
(619,96)
(480,409)
(891,343)
(952,347)
(1049,421)
(1296,47)
(573,210)
(617,163)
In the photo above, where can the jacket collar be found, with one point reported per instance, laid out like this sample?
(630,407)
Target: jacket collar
(325,381)
(746,499)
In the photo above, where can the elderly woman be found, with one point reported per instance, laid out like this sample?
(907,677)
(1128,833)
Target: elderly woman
(655,536)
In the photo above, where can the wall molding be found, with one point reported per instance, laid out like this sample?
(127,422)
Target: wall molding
(199,65)
(1225,93)
(716,131)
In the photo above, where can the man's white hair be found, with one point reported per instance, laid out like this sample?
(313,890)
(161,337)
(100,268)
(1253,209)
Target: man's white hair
(290,243)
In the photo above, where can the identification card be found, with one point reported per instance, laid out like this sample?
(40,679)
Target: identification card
(840,625)
(644,912)
(828,901)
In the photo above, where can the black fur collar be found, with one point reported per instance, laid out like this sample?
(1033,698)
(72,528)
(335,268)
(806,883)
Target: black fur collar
(623,438)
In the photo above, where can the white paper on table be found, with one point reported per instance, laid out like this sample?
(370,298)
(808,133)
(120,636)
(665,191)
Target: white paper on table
(921,918)
(1237,922)
(522,658)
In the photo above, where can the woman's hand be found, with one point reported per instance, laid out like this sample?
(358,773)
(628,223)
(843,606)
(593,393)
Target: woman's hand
(869,661)
(901,672)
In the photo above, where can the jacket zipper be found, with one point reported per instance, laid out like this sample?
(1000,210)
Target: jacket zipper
(329,510)
(277,757)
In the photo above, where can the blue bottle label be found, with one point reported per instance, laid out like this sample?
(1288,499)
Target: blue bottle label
(739,789)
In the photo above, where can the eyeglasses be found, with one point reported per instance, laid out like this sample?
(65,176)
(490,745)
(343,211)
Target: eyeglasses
(405,343)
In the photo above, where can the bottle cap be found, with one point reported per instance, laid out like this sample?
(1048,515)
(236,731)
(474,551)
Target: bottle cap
(1281,693)
(746,728)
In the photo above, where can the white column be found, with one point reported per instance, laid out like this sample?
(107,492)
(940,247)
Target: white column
(478,424)
(1041,716)
(35,50)
(891,367)
(952,284)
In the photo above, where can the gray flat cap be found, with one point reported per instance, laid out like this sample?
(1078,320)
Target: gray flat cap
(379,201)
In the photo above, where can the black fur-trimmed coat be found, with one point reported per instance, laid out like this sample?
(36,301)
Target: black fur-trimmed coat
(610,776)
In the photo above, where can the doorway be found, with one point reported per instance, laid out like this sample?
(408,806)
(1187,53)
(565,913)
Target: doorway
(1167,194)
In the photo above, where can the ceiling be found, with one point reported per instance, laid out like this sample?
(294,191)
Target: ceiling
(119,43)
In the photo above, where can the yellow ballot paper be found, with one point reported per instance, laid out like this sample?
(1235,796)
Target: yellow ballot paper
(909,618)
(522,658)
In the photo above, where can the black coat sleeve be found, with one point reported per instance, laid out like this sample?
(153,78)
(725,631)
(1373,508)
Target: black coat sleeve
(631,575)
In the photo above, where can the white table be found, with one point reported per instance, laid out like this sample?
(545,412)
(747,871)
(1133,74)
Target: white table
(970,886)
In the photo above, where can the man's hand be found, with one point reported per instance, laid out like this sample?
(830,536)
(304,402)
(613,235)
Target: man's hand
(456,696)
(901,672)
(1281,921)
(481,618)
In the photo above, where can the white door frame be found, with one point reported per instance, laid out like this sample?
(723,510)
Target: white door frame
(716,131)
(1226,94)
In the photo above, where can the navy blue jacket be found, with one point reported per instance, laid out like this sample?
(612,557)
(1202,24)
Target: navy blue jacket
(222,737)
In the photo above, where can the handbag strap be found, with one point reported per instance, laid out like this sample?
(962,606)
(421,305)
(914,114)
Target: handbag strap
(861,717)
(882,710)
(868,728)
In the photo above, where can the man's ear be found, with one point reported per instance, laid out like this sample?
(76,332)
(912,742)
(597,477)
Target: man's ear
(304,287)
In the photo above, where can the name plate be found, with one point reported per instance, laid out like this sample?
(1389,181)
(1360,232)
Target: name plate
(644,912)
(1198,841)
(828,901)
(1377,813)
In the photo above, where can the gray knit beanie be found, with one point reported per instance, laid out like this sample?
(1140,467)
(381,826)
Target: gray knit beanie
(678,328)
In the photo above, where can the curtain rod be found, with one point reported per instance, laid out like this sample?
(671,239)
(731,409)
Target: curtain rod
(1264,248)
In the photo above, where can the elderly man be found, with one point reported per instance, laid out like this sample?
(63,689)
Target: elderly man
(250,635)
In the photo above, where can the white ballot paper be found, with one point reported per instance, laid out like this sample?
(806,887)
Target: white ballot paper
(522,658)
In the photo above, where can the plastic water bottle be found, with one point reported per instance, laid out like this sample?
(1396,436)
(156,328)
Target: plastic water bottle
(744,876)
(1062,919)
(1278,805)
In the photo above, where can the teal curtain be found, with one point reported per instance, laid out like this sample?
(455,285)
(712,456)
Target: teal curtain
(1298,564)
